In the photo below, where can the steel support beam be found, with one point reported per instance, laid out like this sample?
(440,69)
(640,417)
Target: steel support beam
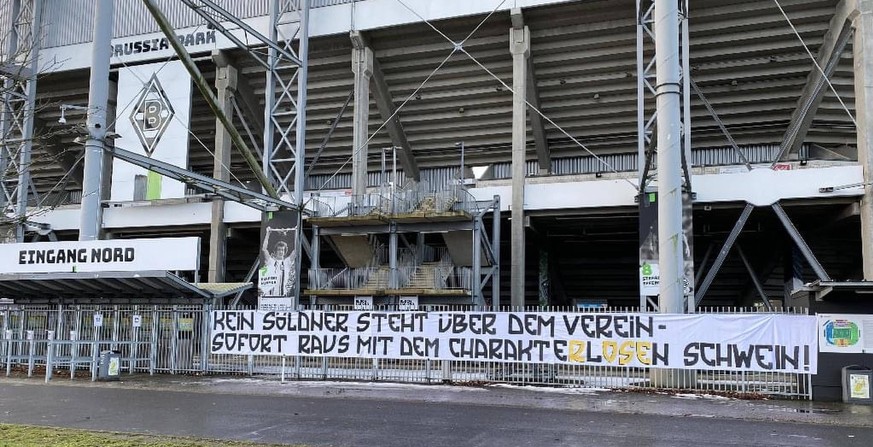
(519,47)
(495,250)
(835,40)
(227,191)
(211,100)
(200,8)
(863,52)
(723,253)
(801,244)
(754,277)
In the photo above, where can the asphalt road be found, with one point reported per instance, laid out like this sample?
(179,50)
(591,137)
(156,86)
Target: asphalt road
(344,421)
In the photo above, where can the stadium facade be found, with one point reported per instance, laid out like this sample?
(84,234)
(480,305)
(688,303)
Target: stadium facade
(409,104)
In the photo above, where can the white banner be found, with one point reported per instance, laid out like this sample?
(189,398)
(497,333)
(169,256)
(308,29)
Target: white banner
(118,255)
(154,109)
(711,342)
(845,333)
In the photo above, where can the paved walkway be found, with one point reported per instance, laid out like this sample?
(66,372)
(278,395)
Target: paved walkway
(606,401)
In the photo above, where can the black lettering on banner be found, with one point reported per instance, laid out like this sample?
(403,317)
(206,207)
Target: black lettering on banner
(477,324)
(420,347)
(531,324)
(363,324)
(406,322)
(233,321)
(323,344)
(559,348)
(247,343)
(376,345)
(765,357)
(499,349)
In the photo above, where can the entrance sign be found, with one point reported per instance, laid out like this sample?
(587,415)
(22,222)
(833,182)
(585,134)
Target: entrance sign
(777,343)
(117,255)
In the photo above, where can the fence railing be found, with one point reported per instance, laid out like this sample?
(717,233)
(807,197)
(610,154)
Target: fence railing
(68,341)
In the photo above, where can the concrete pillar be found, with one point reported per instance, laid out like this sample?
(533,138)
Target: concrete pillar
(863,53)
(362,67)
(519,47)
(225,84)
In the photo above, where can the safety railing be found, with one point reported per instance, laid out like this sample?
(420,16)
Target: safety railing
(174,340)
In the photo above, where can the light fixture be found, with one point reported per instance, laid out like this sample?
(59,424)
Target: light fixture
(64,108)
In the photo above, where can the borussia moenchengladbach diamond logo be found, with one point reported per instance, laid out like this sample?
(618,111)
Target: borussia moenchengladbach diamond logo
(151,114)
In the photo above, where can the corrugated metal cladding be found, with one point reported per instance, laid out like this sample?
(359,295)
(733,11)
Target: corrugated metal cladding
(717,156)
(70,22)
(5,19)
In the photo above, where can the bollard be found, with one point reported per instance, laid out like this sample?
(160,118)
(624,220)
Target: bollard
(74,352)
(49,355)
(93,361)
(30,353)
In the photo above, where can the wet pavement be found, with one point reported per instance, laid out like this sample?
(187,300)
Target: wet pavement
(359,413)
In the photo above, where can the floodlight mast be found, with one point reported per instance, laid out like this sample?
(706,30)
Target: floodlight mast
(98,97)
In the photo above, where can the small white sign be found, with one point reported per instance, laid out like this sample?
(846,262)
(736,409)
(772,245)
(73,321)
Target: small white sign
(136,320)
(845,333)
(74,335)
(276,304)
(363,303)
(98,319)
(30,335)
(650,279)
(407,303)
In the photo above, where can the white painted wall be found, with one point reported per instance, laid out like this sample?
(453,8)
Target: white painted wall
(339,19)
(759,187)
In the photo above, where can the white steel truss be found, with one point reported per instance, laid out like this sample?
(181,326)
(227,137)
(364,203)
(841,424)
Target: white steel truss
(647,121)
(646,116)
(18,96)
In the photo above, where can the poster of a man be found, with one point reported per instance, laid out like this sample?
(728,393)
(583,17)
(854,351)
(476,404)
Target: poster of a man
(276,275)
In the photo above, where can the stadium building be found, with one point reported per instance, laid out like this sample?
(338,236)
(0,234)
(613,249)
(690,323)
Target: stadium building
(492,153)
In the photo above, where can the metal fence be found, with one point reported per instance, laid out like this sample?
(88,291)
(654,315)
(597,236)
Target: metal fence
(68,340)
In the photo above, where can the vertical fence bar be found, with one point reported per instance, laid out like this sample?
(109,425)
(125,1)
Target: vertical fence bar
(153,346)
(174,341)
(9,346)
